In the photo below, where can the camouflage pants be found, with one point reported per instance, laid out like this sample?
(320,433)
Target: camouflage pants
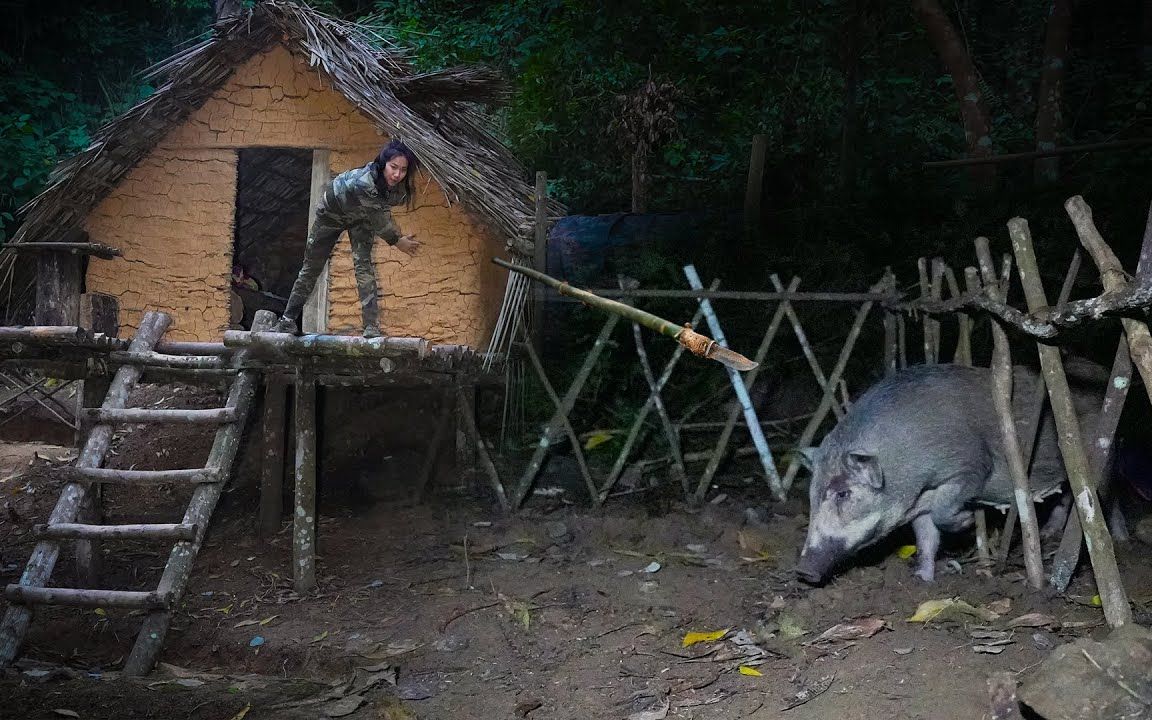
(321,240)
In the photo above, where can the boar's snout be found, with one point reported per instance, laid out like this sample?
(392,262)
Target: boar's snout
(808,575)
(818,560)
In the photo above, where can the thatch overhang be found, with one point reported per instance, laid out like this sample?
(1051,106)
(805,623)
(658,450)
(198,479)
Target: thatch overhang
(437,114)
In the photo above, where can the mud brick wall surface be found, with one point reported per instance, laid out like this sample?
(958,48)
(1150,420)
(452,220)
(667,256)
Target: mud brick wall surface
(173,214)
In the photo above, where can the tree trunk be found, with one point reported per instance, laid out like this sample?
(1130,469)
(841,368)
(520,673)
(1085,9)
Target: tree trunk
(639,181)
(958,62)
(1049,119)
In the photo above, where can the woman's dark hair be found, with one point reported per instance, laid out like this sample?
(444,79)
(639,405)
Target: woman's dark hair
(390,151)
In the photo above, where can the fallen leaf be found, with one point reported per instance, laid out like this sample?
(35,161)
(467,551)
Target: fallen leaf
(698,637)
(902,651)
(950,609)
(988,649)
(267,620)
(863,628)
(905,551)
(245,623)
(320,637)
(597,438)
(652,567)
(101,612)
(240,715)
(745,670)
(1033,620)
(67,713)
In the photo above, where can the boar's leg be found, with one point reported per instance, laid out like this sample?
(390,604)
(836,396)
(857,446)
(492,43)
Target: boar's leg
(927,545)
(1058,517)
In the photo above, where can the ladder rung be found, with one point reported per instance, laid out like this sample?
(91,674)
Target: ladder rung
(157,531)
(140,415)
(105,475)
(24,595)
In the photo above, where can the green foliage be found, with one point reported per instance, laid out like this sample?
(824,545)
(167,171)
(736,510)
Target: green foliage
(64,75)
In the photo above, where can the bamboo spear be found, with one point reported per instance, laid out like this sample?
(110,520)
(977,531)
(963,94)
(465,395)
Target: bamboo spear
(693,341)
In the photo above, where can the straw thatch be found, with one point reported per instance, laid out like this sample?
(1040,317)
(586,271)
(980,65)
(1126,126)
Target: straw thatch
(434,113)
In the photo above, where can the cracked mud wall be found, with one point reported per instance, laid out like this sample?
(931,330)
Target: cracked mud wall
(173,216)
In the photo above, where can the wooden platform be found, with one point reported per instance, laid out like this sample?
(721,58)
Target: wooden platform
(245,361)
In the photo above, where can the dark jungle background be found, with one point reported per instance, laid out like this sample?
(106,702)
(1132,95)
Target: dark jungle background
(852,97)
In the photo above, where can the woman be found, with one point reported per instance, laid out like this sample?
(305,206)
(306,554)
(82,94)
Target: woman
(358,201)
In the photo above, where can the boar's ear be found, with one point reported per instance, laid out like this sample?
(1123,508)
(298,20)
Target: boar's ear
(865,467)
(807,457)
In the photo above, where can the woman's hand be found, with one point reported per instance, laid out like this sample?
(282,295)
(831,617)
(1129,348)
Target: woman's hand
(408,245)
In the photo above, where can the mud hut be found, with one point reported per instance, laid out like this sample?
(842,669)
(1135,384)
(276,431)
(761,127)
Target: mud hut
(206,187)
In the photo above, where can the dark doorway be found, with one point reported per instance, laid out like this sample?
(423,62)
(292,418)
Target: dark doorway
(272,190)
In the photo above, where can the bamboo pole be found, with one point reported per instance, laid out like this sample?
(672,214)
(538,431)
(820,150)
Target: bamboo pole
(829,396)
(525,483)
(1111,588)
(733,413)
(679,473)
(696,343)
(767,462)
(565,423)
(805,346)
(1002,399)
(642,415)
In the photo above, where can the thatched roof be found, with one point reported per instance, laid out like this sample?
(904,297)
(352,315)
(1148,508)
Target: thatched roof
(436,114)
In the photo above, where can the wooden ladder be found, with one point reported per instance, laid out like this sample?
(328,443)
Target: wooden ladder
(187,535)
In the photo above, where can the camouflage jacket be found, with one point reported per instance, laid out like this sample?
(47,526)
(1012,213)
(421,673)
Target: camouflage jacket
(352,199)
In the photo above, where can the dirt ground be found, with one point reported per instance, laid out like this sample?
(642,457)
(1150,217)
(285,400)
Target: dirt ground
(446,609)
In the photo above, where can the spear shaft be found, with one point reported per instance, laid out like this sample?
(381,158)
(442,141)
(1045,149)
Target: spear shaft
(693,341)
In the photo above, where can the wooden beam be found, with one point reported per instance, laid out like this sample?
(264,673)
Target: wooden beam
(304,505)
(57,289)
(22,595)
(147,531)
(104,252)
(100,313)
(43,559)
(1026,156)
(274,447)
(314,319)
(208,416)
